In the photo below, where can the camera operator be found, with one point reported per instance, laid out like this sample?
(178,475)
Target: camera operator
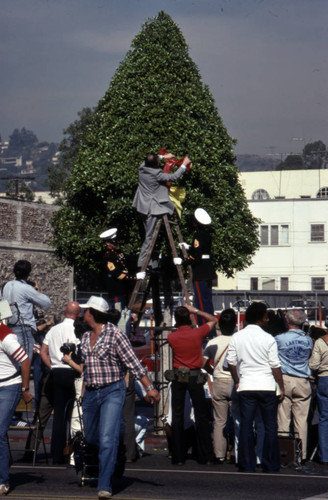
(25,294)
(61,340)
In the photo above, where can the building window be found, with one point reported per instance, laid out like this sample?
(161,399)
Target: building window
(284,235)
(264,235)
(317,232)
(260,194)
(284,284)
(323,193)
(254,283)
(268,284)
(318,283)
(274,235)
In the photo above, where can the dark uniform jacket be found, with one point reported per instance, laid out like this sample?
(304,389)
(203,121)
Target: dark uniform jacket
(199,256)
(119,281)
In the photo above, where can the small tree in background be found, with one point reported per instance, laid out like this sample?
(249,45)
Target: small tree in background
(315,155)
(156,99)
(292,162)
(21,142)
(68,148)
(19,191)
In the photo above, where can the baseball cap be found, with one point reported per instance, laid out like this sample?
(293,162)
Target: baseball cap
(97,303)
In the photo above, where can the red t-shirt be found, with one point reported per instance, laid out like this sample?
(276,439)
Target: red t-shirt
(186,343)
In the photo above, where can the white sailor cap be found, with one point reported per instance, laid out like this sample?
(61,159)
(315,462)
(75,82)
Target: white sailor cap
(202,217)
(109,235)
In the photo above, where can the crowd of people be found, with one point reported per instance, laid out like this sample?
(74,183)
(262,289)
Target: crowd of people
(264,383)
(103,355)
(259,384)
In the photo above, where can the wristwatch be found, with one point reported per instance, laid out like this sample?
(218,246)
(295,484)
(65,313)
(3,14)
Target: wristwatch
(25,389)
(150,388)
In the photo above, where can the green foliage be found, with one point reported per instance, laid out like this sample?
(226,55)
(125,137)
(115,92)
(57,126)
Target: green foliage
(21,143)
(314,147)
(19,192)
(156,99)
(315,155)
(69,147)
(292,162)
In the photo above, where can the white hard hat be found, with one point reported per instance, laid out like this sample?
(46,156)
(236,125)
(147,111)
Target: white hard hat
(109,235)
(202,217)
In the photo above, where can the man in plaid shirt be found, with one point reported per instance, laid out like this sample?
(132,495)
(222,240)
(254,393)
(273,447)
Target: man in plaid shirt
(107,354)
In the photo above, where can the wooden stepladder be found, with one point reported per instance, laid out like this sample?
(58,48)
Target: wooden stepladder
(164,219)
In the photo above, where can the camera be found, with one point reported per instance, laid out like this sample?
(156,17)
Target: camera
(67,347)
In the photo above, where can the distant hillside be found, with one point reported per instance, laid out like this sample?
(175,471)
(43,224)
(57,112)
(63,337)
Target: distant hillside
(256,163)
(26,159)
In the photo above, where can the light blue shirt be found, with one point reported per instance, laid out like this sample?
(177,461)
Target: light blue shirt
(25,297)
(294,350)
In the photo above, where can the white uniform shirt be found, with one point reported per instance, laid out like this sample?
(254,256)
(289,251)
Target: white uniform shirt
(56,337)
(254,352)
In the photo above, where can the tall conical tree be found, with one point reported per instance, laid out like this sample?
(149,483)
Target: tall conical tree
(156,99)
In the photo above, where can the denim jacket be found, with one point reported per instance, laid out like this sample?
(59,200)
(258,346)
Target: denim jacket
(294,350)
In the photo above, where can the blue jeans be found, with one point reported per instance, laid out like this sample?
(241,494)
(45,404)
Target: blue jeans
(9,397)
(258,426)
(267,402)
(25,338)
(322,397)
(102,411)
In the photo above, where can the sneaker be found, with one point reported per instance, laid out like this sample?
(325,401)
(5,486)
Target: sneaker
(4,488)
(18,423)
(104,494)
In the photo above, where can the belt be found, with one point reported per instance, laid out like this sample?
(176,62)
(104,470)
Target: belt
(296,376)
(191,372)
(206,257)
(96,387)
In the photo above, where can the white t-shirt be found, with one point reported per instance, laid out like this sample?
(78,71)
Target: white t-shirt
(254,352)
(11,356)
(56,337)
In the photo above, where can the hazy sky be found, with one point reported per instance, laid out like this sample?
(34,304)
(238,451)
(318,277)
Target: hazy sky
(265,61)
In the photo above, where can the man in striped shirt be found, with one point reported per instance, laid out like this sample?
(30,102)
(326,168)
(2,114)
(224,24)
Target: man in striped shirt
(14,384)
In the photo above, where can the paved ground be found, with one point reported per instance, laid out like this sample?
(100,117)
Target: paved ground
(153,477)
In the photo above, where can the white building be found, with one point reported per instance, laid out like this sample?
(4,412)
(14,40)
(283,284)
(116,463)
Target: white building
(293,208)
(287,184)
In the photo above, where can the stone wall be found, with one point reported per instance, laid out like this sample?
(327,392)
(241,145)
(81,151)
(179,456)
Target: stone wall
(25,233)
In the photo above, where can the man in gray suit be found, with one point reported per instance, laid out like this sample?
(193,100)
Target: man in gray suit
(152,197)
